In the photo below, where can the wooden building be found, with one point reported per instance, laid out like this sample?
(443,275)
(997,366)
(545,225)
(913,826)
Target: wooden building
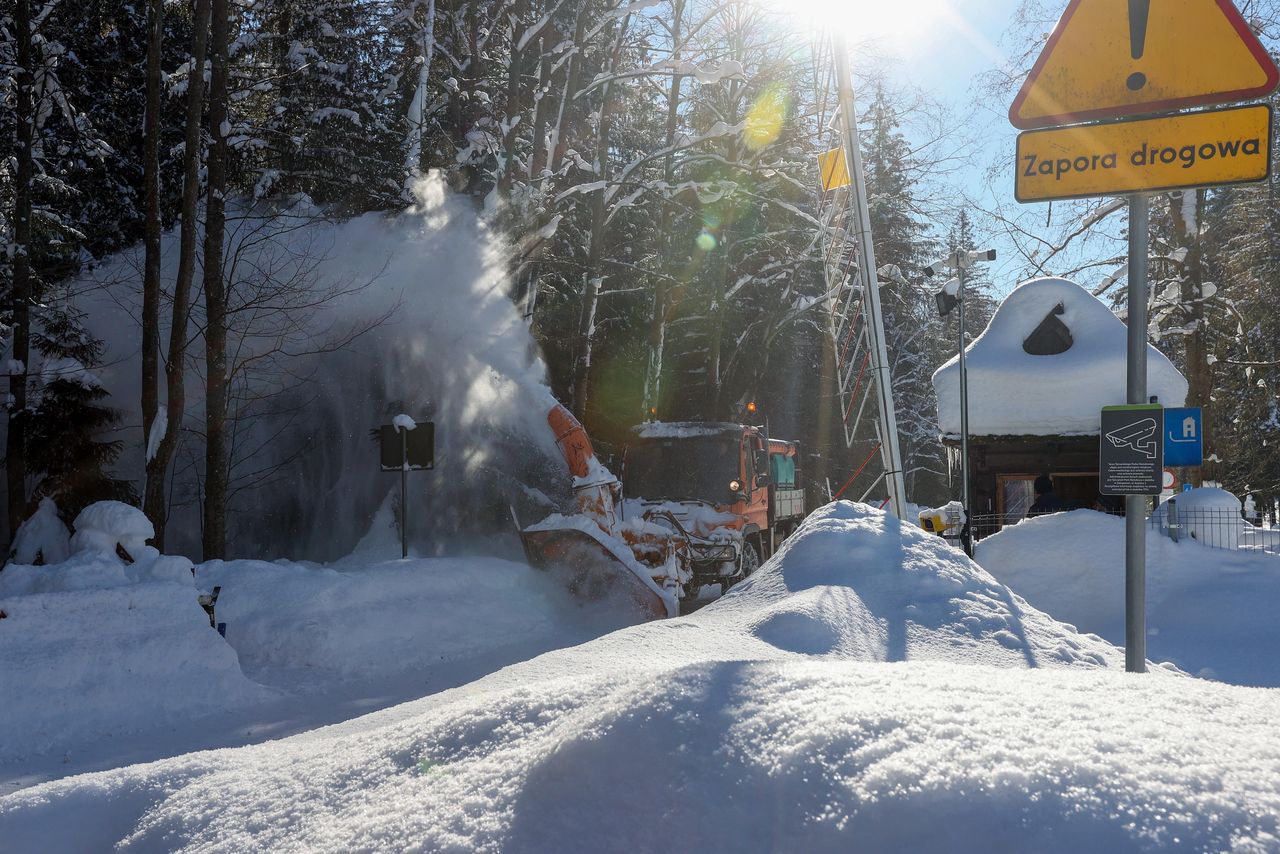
(1052,356)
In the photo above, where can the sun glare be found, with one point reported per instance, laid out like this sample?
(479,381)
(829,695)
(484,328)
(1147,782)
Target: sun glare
(895,26)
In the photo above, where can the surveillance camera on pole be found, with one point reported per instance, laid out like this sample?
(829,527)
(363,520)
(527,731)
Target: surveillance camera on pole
(949,298)
(959,261)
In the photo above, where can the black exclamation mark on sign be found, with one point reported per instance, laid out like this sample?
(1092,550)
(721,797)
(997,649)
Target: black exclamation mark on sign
(1138,10)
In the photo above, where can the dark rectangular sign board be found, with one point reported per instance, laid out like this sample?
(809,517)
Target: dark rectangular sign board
(421,447)
(1131,450)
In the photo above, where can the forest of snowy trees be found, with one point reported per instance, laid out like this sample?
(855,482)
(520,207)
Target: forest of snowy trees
(650,166)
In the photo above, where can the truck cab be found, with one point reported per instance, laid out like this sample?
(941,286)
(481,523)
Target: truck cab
(731,486)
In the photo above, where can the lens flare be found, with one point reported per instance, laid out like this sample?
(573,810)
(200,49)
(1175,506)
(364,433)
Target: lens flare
(765,118)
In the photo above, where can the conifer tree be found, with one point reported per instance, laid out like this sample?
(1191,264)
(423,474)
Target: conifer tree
(67,456)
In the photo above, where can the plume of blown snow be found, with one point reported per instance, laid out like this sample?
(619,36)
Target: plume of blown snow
(419,302)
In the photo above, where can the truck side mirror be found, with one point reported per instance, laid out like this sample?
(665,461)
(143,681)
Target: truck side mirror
(762,480)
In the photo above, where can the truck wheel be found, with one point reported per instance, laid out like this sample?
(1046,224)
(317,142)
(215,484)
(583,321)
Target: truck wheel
(750,560)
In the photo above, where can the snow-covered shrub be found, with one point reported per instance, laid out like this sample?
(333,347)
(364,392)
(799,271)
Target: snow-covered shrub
(104,525)
(42,539)
(103,531)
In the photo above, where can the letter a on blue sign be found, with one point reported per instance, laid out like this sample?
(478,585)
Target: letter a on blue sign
(1183,437)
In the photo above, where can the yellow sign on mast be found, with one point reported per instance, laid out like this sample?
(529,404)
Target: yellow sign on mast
(1203,149)
(833,168)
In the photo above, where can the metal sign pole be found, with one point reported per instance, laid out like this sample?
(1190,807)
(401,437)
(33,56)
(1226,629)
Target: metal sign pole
(870,285)
(404,493)
(1135,528)
(966,534)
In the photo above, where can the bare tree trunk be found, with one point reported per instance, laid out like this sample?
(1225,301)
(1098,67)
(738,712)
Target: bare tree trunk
(1187,212)
(154,502)
(16,440)
(538,149)
(426,50)
(515,65)
(214,538)
(573,75)
(660,314)
(151,235)
(715,373)
(733,156)
(595,249)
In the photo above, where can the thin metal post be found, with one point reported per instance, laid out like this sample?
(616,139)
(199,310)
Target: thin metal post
(966,533)
(1135,506)
(404,493)
(870,285)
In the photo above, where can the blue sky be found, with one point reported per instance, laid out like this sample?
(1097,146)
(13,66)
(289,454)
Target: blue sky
(944,55)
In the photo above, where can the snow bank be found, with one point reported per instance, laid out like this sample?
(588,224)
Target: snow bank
(725,756)
(1207,514)
(1012,392)
(91,649)
(94,647)
(868,687)
(309,627)
(1209,611)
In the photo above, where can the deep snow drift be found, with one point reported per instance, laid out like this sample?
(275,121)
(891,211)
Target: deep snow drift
(869,687)
(1013,392)
(309,628)
(95,647)
(1210,611)
(102,659)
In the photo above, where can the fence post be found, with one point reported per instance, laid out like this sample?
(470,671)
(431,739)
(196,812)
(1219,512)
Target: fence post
(1172,518)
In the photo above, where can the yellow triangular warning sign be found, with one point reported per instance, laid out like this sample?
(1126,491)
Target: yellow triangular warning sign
(1111,58)
(833,168)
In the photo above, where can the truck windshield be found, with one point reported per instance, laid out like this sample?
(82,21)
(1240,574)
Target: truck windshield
(686,469)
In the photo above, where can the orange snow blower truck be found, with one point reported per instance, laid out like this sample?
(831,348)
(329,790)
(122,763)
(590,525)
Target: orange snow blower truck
(699,503)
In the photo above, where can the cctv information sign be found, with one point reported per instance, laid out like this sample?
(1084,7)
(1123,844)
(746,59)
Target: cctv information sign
(1131,450)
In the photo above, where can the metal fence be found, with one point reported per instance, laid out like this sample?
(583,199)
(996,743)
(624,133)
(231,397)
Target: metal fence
(1215,528)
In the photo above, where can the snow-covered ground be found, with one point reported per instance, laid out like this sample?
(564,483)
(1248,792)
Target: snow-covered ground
(1210,611)
(104,663)
(869,688)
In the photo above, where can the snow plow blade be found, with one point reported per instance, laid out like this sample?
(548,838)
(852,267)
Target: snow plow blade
(593,570)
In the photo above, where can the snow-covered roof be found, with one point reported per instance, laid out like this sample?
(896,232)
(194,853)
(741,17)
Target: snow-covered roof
(684,429)
(1015,392)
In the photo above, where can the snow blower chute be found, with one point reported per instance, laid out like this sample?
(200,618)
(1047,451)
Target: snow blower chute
(596,557)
